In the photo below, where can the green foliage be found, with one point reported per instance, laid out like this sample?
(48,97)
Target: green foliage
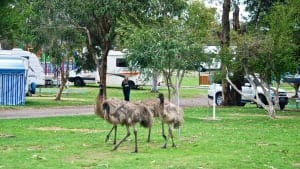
(217,77)
(258,9)
(13,16)
(240,138)
(166,43)
(270,53)
(282,25)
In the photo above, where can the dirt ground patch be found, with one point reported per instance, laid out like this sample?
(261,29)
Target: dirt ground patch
(82,110)
(55,129)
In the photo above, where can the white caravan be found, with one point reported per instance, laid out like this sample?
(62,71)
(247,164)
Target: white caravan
(35,75)
(117,69)
(213,62)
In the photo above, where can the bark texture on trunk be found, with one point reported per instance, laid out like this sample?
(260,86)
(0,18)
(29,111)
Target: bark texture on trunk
(225,41)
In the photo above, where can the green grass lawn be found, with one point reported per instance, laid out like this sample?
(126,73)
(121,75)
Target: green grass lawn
(241,137)
(74,96)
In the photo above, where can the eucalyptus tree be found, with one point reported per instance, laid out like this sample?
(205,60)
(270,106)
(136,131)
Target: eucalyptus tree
(55,35)
(266,56)
(258,9)
(61,50)
(99,20)
(169,42)
(13,18)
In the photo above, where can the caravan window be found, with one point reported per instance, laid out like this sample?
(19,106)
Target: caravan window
(121,62)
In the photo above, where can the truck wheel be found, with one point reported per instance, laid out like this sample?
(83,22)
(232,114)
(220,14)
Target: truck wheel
(78,81)
(219,99)
(241,104)
(132,84)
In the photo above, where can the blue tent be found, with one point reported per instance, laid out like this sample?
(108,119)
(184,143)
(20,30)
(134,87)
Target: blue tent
(12,81)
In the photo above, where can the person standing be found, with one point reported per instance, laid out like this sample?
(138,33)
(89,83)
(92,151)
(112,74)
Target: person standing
(126,89)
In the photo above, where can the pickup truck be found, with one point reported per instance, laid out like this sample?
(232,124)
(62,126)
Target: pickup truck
(215,90)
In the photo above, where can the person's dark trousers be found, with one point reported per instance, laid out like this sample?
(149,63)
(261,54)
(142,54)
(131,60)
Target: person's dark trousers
(126,92)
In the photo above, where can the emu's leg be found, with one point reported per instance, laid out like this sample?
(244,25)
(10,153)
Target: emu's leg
(164,136)
(135,139)
(108,135)
(171,135)
(115,139)
(149,133)
(127,135)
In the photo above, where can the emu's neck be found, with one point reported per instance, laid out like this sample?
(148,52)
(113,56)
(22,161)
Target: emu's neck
(161,104)
(162,101)
(99,102)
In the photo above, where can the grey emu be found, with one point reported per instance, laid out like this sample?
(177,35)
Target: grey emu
(98,111)
(168,113)
(128,114)
(113,105)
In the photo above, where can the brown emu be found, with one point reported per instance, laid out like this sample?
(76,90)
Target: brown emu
(128,114)
(98,111)
(113,105)
(169,113)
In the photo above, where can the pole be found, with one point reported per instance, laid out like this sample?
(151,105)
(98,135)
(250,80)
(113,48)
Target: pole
(177,88)
(214,103)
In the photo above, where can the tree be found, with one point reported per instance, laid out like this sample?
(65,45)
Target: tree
(224,37)
(55,35)
(266,56)
(99,19)
(168,43)
(13,17)
(258,9)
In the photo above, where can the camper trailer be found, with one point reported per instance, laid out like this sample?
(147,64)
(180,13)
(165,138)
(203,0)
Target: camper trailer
(117,69)
(35,74)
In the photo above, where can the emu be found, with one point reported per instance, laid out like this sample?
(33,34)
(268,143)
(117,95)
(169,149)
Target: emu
(119,112)
(168,113)
(128,114)
(98,111)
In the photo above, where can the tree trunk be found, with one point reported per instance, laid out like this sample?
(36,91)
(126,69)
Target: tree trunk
(176,87)
(64,78)
(235,96)
(224,41)
(103,70)
(225,36)
(236,20)
(106,34)
(238,74)
(296,87)
(270,109)
(61,87)
(167,78)
(155,76)
(230,96)
(226,91)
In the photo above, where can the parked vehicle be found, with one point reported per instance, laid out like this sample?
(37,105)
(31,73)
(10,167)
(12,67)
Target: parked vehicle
(215,92)
(83,77)
(213,61)
(53,72)
(35,74)
(117,69)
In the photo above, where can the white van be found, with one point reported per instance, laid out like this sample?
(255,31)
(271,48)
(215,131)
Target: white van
(117,69)
(35,75)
